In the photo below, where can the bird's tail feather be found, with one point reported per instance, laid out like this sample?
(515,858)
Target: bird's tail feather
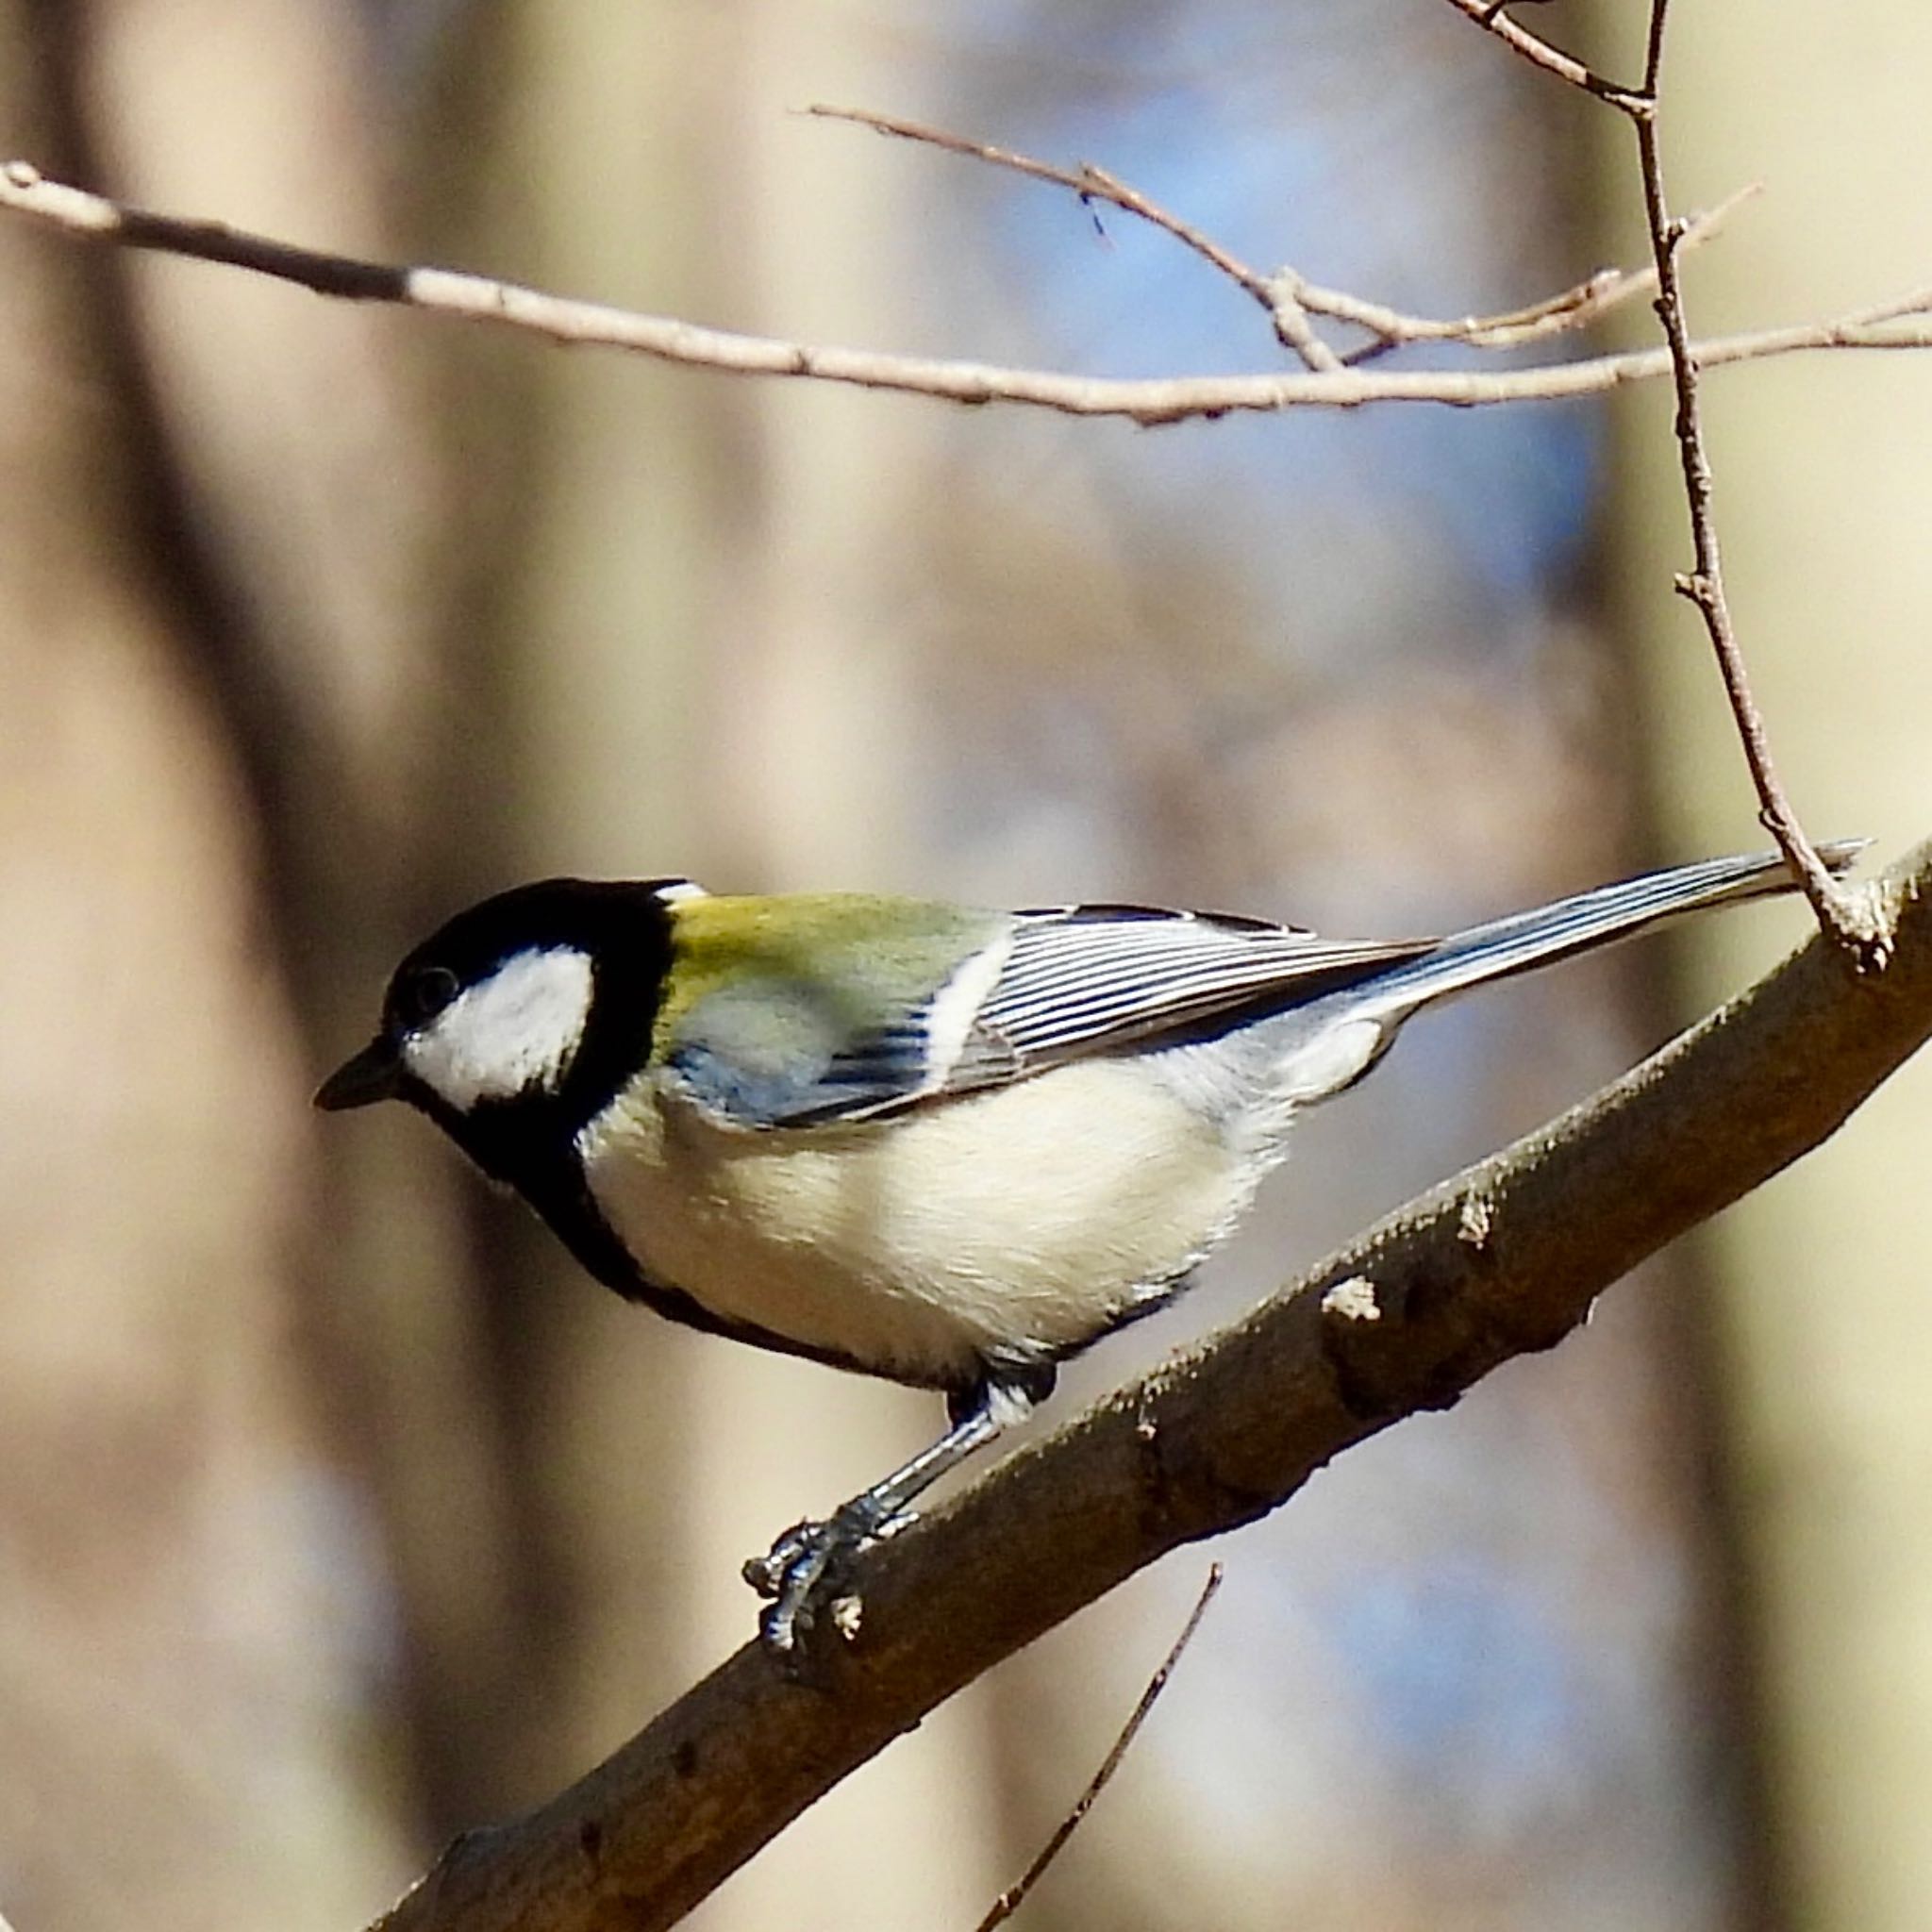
(1578,924)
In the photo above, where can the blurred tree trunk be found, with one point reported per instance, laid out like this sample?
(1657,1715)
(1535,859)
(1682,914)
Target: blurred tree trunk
(193,1598)
(606,495)
(1824,469)
(300,500)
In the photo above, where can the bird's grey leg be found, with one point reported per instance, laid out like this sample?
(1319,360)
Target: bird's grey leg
(796,1567)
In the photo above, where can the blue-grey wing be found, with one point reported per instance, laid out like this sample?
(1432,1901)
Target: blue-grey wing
(1095,979)
(779,1053)
(1057,986)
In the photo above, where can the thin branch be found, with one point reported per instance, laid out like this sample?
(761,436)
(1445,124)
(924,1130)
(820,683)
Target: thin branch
(1491,1264)
(1014,1896)
(1288,296)
(1569,309)
(1491,16)
(1092,183)
(1643,105)
(1703,585)
(1161,400)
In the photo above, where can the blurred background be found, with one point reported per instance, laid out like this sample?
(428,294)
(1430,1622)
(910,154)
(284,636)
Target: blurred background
(337,1513)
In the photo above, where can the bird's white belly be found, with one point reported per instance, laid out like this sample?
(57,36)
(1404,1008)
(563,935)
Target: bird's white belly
(1021,1221)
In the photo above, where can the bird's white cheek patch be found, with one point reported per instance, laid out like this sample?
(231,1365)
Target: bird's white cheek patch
(510,1034)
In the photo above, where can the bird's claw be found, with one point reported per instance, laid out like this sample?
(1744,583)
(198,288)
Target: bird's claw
(801,1573)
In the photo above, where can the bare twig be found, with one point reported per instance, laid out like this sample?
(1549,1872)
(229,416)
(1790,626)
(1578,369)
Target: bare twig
(1570,309)
(1288,296)
(1491,16)
(1014,1896)
(1903,322)
(1092,183)
(1703,585)
(1324,381)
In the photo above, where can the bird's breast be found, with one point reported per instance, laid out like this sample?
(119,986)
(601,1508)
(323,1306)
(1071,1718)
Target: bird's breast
(1023,1221)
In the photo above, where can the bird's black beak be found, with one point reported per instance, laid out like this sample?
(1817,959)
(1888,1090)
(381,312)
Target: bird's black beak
(374,1073)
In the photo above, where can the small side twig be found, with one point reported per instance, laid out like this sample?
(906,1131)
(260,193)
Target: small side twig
(1839,911)
(1570,309)
(1011,1899)
(1092,183)
(1491,16)
(1703,585)
(1290,297)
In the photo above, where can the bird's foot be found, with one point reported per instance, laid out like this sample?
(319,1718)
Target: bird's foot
(802,1574)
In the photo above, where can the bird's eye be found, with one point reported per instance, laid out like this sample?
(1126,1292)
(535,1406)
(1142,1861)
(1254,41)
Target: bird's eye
(427,992)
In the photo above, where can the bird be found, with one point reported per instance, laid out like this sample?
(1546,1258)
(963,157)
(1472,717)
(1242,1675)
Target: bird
(946,1145)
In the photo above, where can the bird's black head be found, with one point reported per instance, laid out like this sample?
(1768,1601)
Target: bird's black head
(521,1017)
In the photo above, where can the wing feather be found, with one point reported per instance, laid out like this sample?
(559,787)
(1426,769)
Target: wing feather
(1052,986)
(1097,978)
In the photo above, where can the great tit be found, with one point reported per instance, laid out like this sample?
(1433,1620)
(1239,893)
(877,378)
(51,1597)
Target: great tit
(947,1146)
